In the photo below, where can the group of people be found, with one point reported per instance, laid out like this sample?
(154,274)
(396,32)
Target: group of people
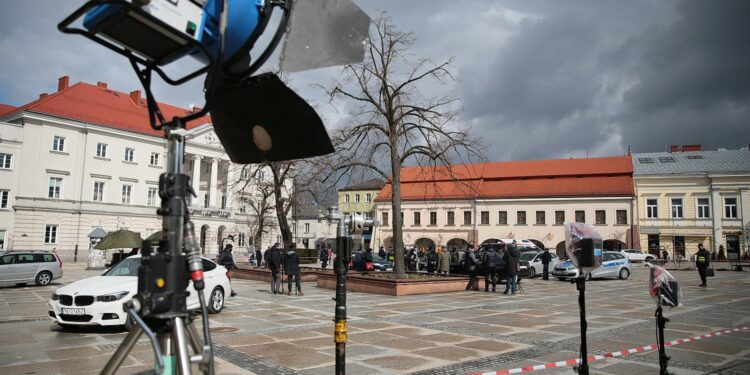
(276,260)
(497,262)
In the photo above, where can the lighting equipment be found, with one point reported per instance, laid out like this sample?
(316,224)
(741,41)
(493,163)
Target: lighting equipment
(666,289)
(347,225)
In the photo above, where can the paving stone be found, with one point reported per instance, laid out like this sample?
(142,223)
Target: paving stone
(398,362)
(489,345)
(450,353)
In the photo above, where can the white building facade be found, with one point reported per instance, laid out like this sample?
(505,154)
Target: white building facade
(68,175)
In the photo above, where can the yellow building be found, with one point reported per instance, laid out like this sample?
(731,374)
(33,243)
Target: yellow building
(360,198)
(688,196)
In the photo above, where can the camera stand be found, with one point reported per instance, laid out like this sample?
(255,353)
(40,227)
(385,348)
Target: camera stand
(661,323)
(159,309)
(583,367)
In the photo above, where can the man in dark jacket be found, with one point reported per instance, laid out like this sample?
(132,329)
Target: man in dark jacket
(258,257)
(411,259)
(490,266)
(291,266)
(226,260)
(545,257)
(274,263)
(432,260)
(323,257)
(471,266)
(702,262)
(381,252)
(511,265)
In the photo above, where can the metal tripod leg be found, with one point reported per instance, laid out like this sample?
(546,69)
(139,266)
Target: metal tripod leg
(122,352)
(179,334)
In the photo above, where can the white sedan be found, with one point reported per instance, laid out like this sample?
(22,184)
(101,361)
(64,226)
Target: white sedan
(635,255)
(614,264)
(98,300)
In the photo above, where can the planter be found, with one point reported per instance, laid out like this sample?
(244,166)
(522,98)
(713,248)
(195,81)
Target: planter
(396,287)
(263,274)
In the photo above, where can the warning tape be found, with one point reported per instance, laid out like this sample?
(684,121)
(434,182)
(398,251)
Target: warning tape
(592,358)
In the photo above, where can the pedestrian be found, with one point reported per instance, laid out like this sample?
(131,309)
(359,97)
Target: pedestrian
(471,266)
(369,266)
(267,254)
(489,262)
(444,262)
(664,254)
(258,257)
(291,267)
(701,263)
(323,257)
(381,252)
(545,258)
(274,263)
(412,259)
(226,260)
(432,260)
(511,267)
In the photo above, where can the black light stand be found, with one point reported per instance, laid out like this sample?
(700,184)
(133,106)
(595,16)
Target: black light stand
(583,367)
(346,226)
(159,309)
(661,323)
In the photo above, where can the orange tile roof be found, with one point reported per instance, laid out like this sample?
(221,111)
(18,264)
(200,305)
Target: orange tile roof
(4,108)
(103,106)
(590,177)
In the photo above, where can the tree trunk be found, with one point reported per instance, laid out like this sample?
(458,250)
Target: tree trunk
(398,240)
(278,181)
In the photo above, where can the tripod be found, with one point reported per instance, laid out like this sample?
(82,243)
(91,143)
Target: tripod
(159,309)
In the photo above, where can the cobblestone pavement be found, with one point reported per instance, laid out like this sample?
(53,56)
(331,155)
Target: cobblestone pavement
(449,333)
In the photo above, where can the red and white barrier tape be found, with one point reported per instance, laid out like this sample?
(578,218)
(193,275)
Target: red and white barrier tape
(592,358)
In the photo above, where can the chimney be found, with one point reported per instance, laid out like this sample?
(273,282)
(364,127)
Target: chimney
(135,96)
(686,148)
(101,85)
(63,83)
(674,148)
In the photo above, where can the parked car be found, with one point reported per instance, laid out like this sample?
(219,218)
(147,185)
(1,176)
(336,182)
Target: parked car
(23,267)
(381,264)
(530,263)
(635,255)
(98,300)
(614,264)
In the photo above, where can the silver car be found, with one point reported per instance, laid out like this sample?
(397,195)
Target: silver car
(614,264)
(22,267)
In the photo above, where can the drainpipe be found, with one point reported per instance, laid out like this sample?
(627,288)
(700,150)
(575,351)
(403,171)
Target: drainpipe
(80,192)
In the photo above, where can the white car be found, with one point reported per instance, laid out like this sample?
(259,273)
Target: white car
(614,264)
(98,300)
(635,255)
(530,263)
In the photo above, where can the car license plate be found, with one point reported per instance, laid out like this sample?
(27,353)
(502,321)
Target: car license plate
(69,311)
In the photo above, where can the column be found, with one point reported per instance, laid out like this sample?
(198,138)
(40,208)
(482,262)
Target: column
(214,178)
(228,186)
(196,180)
(717,213)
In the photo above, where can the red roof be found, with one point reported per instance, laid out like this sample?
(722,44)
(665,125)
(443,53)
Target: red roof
(4,108)
(590,177)
(103,106)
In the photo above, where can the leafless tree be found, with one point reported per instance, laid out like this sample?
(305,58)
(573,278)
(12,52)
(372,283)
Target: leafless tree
(253,189)
(392,123)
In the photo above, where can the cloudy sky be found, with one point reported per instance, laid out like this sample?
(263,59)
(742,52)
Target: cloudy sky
(536,79)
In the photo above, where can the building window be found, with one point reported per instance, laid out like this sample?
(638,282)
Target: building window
(521,218)
(622,217)
(652,208)
(224,201)
(730,208)
(129,155)
(5,160)
(703,209)
(55,184)
(98,191)
(368,197)
(433,218)
(502,217)
(676,204)
(127,191)
(4,198)
(385,219)
(580,216)
(451,219)
(152,193)
(2,240)
(58,144)
(467,217)
(356,198)
(50,234)
(540,218)
(601,217)
(346,198)
(485,217)
(205,201)
(307,227)
(559,217)
(154,160)
(101,150)
(417,218)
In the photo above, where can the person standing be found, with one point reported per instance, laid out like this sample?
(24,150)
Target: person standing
(367,259)
(291,267)
(489,262)
(545,258)
(432,260)
(258,258)
(381,252)
(471,267)
(226,260)
(511,265)
(444,262)
(274,263)
(412,259)
(323,257)
(702,262)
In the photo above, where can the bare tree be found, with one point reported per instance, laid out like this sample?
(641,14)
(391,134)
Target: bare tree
(254,189)
(393,122)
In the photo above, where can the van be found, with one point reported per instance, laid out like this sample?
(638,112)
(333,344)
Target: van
(23,267)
